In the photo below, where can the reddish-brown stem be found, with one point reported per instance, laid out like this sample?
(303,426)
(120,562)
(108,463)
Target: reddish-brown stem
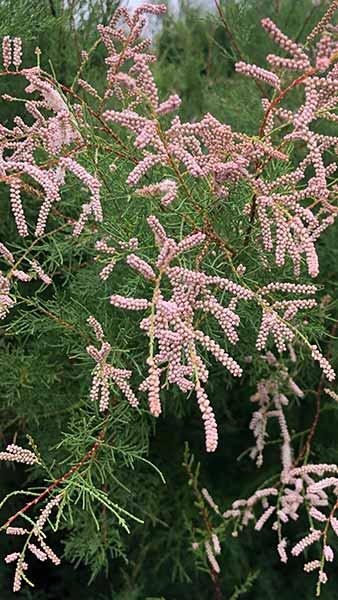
(307,446)
(94,114)
(272,105)
(282,95)
(57,482)
(61,322)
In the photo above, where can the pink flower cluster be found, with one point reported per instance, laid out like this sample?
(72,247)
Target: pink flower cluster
(259,73)
(288,225)
(167,187)
(171,330)
(50,134)
(41,551)
(6,301)
(276,324)
(11,52)
(271,400)
(300,491)
(17,454)
(280,203)
(171,327)
(122,45)
(211,550)
(104,372)
(40,272)
(102,246)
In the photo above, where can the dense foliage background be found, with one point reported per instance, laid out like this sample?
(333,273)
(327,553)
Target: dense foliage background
(46,372)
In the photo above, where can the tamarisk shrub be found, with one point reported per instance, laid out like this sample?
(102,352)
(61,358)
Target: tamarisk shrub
(208,245)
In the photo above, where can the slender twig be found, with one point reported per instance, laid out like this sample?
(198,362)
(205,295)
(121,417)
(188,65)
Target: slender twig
(282,95)
(57,482)
(305,450)
(208,526)
(228,30)
(271,106)
(306,21)
(233,41)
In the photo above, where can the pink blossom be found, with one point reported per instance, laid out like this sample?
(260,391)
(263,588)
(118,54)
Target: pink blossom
(306,541)
(6,51)
(258,73)
(17,52)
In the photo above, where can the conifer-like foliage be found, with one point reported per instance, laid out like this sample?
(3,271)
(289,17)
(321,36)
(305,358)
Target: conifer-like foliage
(168,313)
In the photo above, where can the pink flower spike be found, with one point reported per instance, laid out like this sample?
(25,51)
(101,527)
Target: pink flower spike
(141,266)
(6,51)
(258,73)
(17,52)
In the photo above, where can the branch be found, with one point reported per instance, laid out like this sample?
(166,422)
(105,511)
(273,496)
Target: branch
(57,482)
